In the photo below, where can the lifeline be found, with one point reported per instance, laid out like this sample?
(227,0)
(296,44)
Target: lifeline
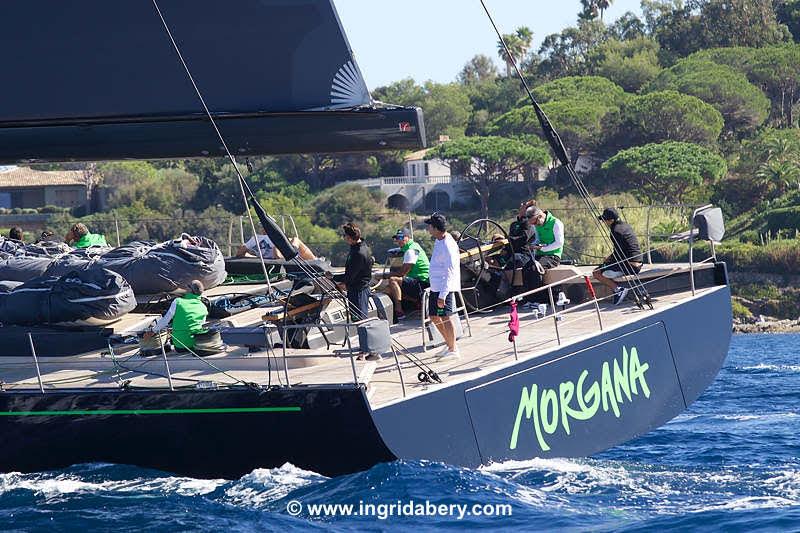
(545,407)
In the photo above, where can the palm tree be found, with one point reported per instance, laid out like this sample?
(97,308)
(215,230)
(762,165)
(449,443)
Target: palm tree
(602,5)
(518,44)
(781,169)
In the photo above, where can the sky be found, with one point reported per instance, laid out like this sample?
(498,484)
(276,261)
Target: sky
(433,39)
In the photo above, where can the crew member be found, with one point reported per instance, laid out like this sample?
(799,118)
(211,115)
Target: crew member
(78,236)
(357,271)
(16,234)
(445,279)
(548,241)
(269,251)
(187,314)
(413,276)
(626,258)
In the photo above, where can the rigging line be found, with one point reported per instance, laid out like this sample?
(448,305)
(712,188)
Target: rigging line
(244,186)
(242,183)
(558,147)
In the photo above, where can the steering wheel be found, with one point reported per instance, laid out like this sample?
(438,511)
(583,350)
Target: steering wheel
(478,282)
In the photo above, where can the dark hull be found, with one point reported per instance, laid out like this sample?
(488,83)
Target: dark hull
(331,429)
(325,429)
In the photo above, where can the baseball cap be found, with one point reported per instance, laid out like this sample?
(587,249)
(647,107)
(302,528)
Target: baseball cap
(609,214)
(437,220)
(401,234)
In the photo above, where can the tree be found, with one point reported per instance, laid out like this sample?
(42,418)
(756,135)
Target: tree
(591,9)
(585,88)
(667,172)
(404,92)
(788,12)
(772,160)
(565,53)
(479,69)
(702,24)
(489,162)
(628,27)
(447,110)
(630,64)
(669,115)
(777,70)
(743,106)
(518,44)
(583,109)
(774,69)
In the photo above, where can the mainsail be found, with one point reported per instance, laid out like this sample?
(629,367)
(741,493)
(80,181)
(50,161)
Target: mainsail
(100,80)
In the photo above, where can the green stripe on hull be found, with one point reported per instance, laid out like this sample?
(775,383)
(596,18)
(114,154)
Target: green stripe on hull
(81,412)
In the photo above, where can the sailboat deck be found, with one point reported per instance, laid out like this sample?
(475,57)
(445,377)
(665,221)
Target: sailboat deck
(486,349)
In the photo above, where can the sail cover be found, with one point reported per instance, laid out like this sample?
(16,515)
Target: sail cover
(97,79)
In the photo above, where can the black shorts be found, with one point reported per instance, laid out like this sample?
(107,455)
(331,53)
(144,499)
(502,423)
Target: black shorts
(412,287)
(612,271)
(449,305)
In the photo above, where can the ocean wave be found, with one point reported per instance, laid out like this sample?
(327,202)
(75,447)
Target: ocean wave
(264,486)
(766,367)
(53,486)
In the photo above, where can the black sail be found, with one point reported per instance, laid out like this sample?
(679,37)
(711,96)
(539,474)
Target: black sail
(94,79)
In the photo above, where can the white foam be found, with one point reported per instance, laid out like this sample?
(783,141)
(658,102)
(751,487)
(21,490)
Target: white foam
(772,368)
(67,484)
(262,486)
(746,503)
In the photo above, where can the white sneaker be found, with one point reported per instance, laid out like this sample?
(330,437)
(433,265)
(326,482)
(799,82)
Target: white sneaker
(620,294)
(450,356)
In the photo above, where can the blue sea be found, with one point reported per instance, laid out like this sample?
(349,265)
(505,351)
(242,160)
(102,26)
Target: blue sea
(731,462)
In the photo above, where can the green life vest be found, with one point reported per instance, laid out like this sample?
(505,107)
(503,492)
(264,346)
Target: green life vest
(190,315)
(421,269)
(90,239)
(546,235)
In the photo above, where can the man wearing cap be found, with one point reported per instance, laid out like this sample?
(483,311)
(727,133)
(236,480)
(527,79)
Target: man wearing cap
(413,276)
(445,279)
(625,260)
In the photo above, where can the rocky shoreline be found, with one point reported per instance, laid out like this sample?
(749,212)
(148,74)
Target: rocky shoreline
(766,325)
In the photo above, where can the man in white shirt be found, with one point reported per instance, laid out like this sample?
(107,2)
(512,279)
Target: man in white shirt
(445,279)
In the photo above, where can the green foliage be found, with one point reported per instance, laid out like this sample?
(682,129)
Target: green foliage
(742,105)
(518,44)
(631,64)
(582,109)
(447,110)
(487,162)
(740,311)
(582,88)
(775,69)
(343,203)
(682,29)
(668,172)
(669,115)
(479,69)
(566,53)
(771,162)
(788,12)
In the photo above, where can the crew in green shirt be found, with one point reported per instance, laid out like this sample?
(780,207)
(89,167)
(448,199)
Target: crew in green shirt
(412,278)
(79,237)
(187,314)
